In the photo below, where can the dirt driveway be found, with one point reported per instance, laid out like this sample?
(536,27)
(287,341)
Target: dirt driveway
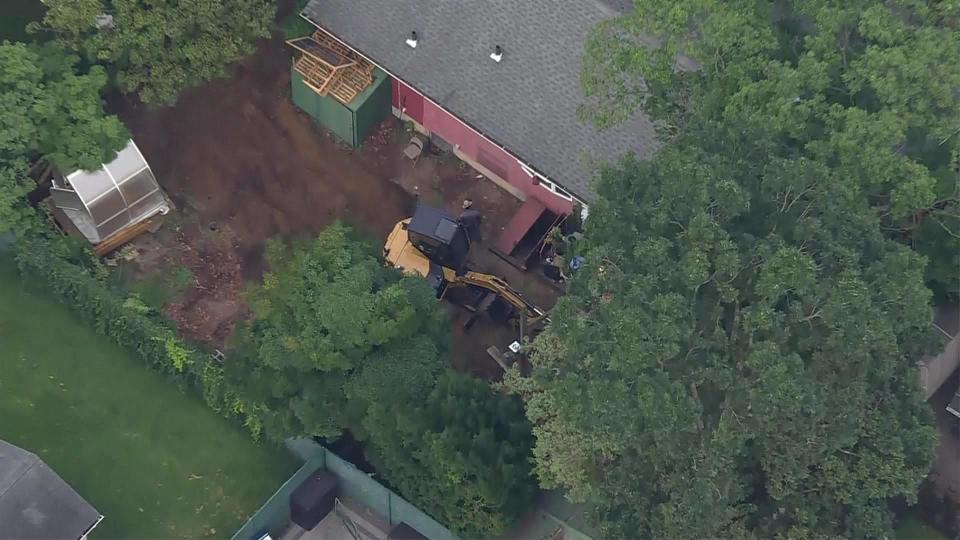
(244,165)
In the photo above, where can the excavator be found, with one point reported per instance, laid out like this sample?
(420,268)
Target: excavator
(433,244)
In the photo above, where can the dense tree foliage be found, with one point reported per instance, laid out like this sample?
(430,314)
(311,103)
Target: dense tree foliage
(865,88)
(737,357)
(48,111)
(333,332)
(158,48)
(338,341)
(462,454)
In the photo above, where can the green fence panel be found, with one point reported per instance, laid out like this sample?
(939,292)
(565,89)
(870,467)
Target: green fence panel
(274,515)
(358,486)
(411,515)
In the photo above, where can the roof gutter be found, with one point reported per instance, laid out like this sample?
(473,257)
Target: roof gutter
(523,164)
(92,527)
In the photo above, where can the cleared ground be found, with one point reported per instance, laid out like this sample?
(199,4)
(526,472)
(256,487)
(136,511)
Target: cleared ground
(154,460)
(245,165)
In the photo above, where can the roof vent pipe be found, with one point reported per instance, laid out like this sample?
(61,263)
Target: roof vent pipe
(497,54)
(412,40)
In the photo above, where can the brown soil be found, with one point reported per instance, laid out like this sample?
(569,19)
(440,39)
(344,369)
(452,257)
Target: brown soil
(212,304)
(243,165)
(240,154)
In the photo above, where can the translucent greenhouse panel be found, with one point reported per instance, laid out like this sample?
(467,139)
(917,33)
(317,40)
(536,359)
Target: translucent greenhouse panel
(91,184)
(127,162)
(65,198)
(113,225)
(106,207)
(138,186)
(146,206)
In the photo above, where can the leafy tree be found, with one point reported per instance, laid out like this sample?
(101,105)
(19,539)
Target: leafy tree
(339,341)
(866,88)
(737,357)
(462,454)
(333,332)
(159,48)
(48,111)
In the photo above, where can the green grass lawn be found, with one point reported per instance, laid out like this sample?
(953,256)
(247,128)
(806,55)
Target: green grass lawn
(154,460)
(912,528)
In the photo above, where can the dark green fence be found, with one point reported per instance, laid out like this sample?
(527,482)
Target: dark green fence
(274,515)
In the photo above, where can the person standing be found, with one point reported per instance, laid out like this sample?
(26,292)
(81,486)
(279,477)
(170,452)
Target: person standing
(470,220)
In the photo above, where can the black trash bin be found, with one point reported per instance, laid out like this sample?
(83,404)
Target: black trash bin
(313,499)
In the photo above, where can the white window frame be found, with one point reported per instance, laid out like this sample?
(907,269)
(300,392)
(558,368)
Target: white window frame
(549,185)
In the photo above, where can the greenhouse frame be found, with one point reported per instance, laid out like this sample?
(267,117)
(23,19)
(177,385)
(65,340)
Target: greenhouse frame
(105,201)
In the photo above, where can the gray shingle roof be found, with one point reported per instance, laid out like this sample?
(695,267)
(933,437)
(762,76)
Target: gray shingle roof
(527,102)
(35,503)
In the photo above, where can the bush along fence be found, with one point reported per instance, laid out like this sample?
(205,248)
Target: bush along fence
(77,277)
(274,515)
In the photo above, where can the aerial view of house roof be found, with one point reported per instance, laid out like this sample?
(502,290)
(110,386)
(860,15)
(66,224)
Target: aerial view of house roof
(35,503)
(527,102)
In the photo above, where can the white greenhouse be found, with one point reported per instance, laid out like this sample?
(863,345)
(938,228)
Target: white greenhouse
(105,201)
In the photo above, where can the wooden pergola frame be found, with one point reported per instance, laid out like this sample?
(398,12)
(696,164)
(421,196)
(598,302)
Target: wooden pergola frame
(329,68)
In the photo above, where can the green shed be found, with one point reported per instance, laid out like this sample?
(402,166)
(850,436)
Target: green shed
(352,122)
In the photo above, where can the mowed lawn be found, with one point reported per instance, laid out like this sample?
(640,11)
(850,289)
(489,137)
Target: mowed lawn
(152,459)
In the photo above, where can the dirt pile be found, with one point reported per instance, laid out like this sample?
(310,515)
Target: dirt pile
(211,304)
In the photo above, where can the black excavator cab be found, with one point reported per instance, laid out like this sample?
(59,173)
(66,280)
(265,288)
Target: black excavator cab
(440,237)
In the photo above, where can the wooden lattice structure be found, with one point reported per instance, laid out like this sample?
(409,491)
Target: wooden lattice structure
(330,68)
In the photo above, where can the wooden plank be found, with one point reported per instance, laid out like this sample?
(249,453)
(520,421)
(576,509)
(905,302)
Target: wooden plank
(123,236)
(315,76)
(321,53)
(345,81)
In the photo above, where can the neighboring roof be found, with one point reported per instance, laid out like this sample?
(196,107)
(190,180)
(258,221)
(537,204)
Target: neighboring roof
(35,503)
(527,102)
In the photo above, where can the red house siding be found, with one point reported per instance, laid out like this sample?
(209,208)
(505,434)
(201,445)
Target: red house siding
(472,144)
(408,100)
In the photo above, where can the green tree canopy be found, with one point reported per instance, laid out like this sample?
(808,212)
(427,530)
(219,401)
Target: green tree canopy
(48,111)
(737,358)
(462,454)
(338,341)
(334,331)
(867,89)
(159,48)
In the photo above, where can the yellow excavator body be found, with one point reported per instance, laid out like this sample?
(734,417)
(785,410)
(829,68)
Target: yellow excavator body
(401,252)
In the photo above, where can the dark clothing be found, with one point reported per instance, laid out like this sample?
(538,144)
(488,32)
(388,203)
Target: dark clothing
(470,219)
(552,272)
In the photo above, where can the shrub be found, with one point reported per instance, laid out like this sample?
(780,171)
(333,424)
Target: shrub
(78,279)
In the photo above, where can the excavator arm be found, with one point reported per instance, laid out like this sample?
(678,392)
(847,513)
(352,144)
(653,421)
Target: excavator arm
(529,313)
(428,245)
